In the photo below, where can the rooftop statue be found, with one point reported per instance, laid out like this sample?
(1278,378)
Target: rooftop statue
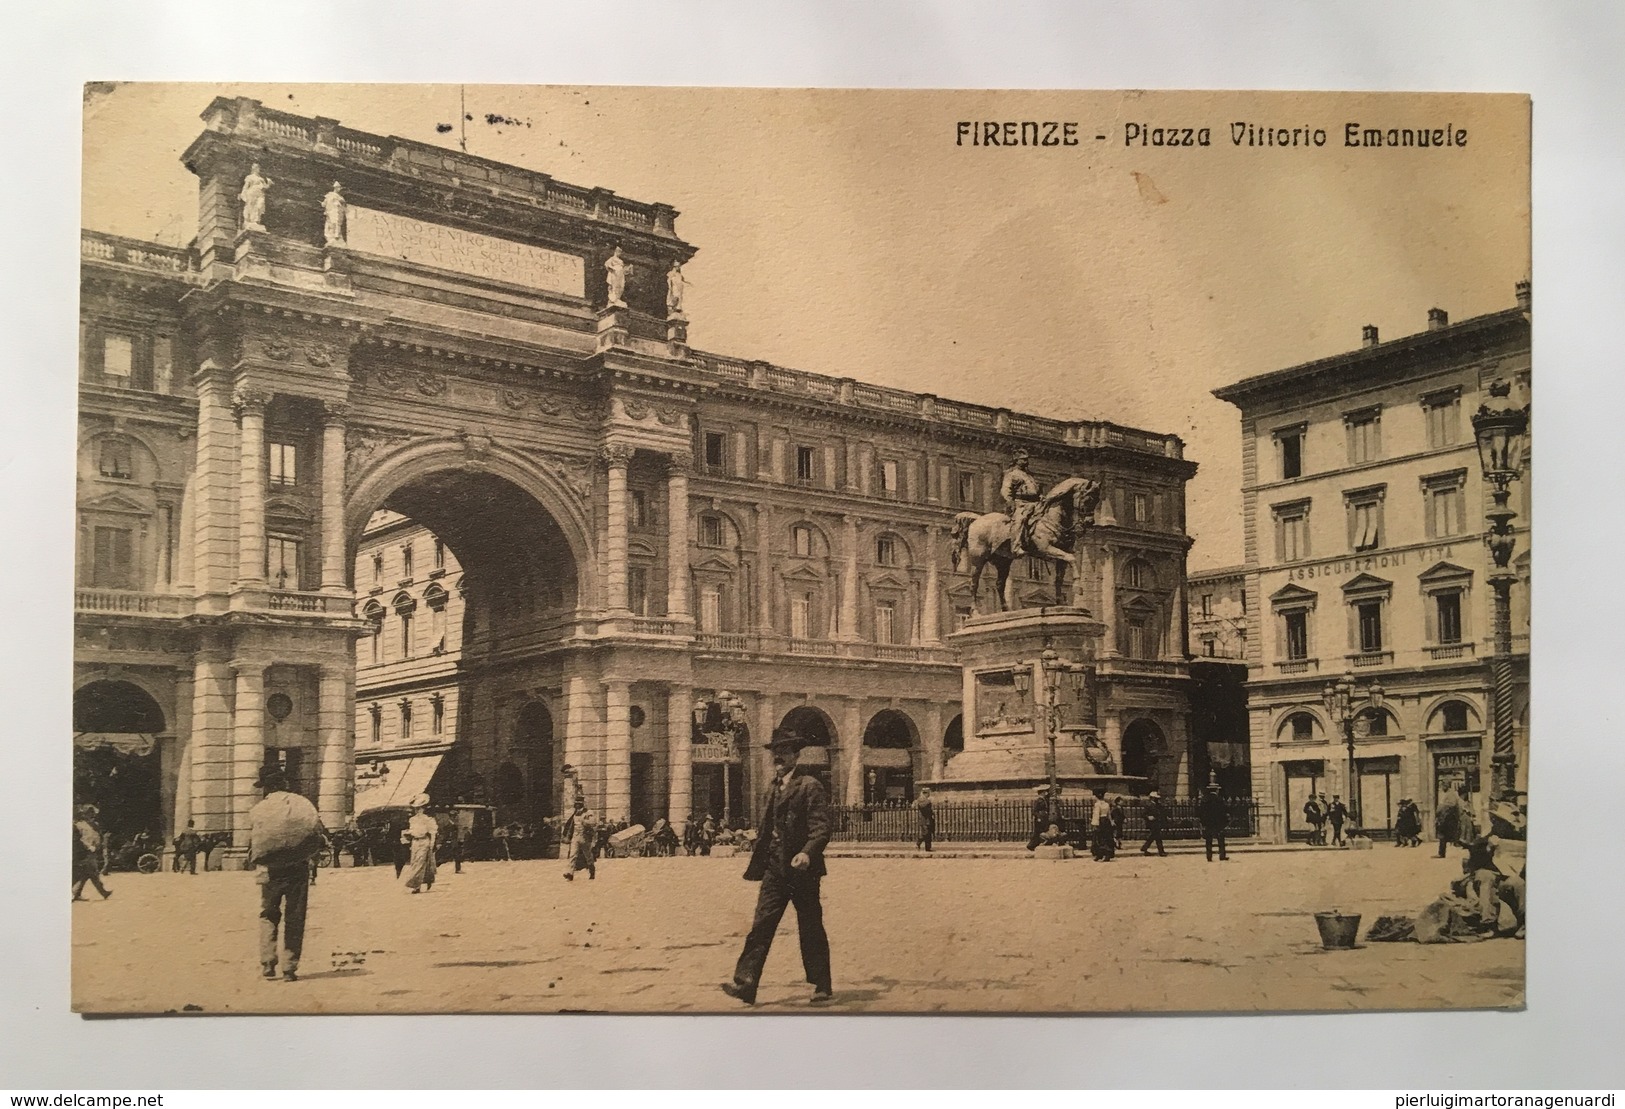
(255,189)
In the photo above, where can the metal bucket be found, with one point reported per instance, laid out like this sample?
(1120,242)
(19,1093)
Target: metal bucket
(1337,930)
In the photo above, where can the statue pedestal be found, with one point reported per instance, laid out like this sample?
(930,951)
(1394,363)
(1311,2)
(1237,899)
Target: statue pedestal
(1008,731)
(614,326)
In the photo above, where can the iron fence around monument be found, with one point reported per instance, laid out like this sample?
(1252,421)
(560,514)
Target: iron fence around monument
(1012,821)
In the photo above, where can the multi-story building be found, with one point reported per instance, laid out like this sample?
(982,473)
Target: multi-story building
(1363,517)
(1217,601)
(451,438)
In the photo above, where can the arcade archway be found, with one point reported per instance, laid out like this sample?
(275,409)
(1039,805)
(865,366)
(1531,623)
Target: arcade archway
(815,726)
(1143,747)
(116,758)
(889,743)
(470,582)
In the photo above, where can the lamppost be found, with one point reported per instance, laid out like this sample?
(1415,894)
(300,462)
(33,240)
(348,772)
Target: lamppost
(1340,699)
(1500,426)
(1054,669)
(730,727)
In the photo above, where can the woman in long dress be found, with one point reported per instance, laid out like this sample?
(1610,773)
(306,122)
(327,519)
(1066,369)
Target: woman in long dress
(582,830)
(421,833)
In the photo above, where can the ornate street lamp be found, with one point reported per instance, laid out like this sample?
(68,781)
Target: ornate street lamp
(1340,697)
(1501,428)
(1055,670)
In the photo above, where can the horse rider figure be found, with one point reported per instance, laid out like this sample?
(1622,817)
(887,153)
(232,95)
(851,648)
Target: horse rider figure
(1021,493)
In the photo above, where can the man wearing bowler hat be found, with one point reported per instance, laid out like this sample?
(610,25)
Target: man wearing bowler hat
(789,862)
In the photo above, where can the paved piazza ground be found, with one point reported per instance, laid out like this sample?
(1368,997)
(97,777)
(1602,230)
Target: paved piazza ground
(908,934)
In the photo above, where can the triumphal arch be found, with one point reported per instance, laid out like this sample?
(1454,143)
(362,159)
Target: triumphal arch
(657,551)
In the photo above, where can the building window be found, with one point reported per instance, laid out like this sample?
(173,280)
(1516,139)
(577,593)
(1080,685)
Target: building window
(711,609)
(378,568)
(1142,508)
(1297,635)
(118,359)
(404,607)
(283,468)
(805,464)
(885,612)
(374,615)
(115,459)
(406,719)
(376,714)
(962,615)
(885,551)
(889,477)
(801,541)
(1371,722)
(113,561)
(1292,531)
(801,616)
(1302,727)
(406,562)
(1452,717)
(1364,517)
(282,560)
(1210,646)
(716,451)
(439,554)
(1445,504)
(1207,604)
(1447,617)
(1443,413)
(1244,601)
(710,531)
(1142,637)
(637,590)
(1364,435)
(967,489)
(639,508)
(1137,575)
(437,715)
(1369,618)
(1289,449)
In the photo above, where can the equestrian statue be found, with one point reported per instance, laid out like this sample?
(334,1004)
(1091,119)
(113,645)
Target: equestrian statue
(1045,525)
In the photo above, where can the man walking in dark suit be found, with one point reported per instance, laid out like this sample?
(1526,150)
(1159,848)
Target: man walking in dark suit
(1214,815)
(789,862)
(1156,815)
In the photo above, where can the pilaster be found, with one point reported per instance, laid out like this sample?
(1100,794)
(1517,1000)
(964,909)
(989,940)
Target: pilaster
(333,547)
(335,757)
(849,578)
(677,559)
(931,602)
(617,751)
(616,458)
(679,754)
(250,406)
(210,777)
(247,745)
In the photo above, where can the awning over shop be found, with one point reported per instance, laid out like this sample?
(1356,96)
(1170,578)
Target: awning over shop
(396,781)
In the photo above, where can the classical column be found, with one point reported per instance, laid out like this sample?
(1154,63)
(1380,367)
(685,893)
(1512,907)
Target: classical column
(179,810)
(247,745)
(209,776)
(679,753)
(616,458)
(618,750)
(755,761)
(849,578)
(333,736)
(1180,631)
(250,404)
(850,773)
(764,569)
(212,538)
(677,561)
(931,742)
(581,737)
(1108,600)
(333,575)
(931,603)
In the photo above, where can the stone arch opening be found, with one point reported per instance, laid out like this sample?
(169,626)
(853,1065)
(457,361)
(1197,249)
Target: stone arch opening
(1143,747)
(815,726)
(953,738)
(533,739)
(889,743)
(117,765)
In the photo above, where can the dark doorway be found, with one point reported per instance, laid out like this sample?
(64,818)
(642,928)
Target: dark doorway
(1142,745)
(709,793)
(533,738)
(116,763)
(643,789)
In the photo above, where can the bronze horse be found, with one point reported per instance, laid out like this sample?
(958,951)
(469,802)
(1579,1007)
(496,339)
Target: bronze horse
(1058,521)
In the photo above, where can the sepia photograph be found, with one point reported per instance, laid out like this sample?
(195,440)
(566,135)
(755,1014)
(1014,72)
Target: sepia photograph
(695,550)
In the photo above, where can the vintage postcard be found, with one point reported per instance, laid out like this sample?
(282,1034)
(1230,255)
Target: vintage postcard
(674,550)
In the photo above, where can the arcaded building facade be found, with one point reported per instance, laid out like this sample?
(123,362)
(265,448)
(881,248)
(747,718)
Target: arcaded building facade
(446,501)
